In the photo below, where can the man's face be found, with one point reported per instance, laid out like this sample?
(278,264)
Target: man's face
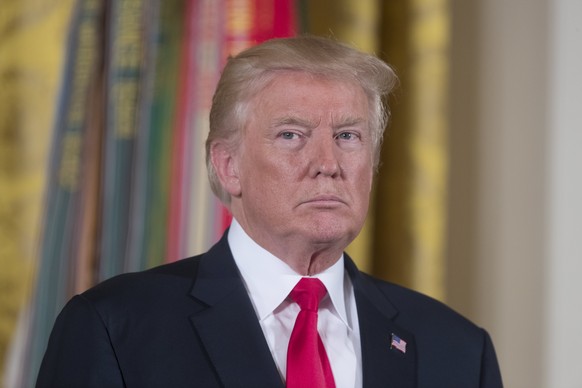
(304,163)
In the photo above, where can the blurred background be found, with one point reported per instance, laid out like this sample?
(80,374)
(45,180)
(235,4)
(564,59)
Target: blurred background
(103,117)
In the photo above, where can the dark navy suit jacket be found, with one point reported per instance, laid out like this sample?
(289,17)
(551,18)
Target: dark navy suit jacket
(191,324)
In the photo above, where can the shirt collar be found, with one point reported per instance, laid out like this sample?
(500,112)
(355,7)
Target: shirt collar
(269,280)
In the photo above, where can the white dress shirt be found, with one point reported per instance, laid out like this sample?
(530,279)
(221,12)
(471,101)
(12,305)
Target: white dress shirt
(269,281)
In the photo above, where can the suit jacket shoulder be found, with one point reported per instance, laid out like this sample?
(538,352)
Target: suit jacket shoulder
(189,323)
(141,289)
(449,350)
(423,312)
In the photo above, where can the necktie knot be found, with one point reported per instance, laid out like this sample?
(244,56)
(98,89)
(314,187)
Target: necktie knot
(308,292)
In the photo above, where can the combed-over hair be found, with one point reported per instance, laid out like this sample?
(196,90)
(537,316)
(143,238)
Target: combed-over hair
(247,73)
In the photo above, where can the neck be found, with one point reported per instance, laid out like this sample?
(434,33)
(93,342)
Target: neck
(307,258)
(316,263)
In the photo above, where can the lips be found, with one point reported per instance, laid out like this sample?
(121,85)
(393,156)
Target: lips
(326,200)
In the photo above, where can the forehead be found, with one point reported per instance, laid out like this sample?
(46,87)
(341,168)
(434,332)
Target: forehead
(284,79)
(292,93)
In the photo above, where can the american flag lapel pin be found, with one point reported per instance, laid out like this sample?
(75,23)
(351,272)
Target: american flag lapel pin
(397,343)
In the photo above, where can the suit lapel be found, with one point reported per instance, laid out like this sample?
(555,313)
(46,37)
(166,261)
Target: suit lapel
(382,363)
(227,324)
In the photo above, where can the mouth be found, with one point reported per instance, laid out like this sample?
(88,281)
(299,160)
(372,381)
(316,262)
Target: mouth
(326,201)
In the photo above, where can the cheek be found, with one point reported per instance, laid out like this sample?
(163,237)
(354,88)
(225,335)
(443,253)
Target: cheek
(280,169)
(363,184)
(268,176)
(363,170)
(367,178)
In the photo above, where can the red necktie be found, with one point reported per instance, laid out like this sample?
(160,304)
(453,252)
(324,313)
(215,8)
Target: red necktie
(307,363)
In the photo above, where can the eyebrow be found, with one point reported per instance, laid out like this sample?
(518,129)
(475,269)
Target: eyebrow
(349,122)
(293,120)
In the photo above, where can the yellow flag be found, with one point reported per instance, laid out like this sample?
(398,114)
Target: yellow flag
(32,40)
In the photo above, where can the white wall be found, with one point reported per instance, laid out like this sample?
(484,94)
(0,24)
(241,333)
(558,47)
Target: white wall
(516,221)
(563,317)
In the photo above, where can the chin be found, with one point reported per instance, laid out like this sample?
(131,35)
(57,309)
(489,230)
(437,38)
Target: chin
(332,234)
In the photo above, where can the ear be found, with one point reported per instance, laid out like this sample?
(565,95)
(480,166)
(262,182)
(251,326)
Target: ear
(225,162)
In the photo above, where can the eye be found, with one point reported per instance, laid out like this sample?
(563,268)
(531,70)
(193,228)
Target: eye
(347,136)
(288,135)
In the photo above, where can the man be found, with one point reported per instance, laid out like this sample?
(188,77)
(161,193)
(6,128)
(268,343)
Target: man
(295,133)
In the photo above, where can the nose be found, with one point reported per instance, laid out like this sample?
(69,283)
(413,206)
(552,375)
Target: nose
(324,157)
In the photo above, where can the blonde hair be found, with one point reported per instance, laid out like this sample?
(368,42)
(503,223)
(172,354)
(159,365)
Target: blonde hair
(247,73)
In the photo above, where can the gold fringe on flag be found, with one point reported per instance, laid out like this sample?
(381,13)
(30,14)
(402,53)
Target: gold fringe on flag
(410,231)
